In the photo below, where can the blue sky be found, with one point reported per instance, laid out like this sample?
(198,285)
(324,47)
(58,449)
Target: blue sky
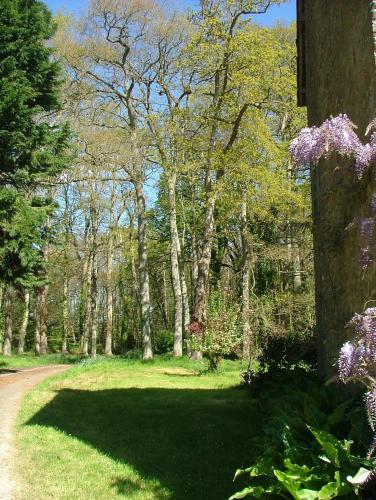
(285,12)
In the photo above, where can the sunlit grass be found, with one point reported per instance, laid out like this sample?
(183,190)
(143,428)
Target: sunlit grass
(164,429)
(29,360)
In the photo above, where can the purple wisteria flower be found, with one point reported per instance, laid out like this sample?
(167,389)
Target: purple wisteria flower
(357,361)
(350,363)
(308,147)
(335,135)
(371,407)
(340,134)
(364,155)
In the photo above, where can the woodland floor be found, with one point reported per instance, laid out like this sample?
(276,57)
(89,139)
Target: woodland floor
(118,428)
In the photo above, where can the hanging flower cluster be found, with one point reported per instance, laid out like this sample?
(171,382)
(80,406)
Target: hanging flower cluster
(335,135)
(357,360)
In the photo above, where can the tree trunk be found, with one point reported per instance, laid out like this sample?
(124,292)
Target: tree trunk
(296,267)
(185,296)
(165,301)
(87,308)
(94,305)
(25,321)
(109,296)
(8,330)
(147,352)
(202,283)
(37,322)
(194,249)
(186,310)
(43,319)
(245,276)
(204,264)
(342,287)
(64,347)
(175,271)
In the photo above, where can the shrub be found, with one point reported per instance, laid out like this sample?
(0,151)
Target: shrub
(221,335)
(282,325)
(305,446)
(164,342)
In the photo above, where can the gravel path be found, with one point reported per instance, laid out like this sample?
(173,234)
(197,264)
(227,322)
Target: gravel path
(13,385)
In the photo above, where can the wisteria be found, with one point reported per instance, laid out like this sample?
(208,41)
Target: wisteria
(308,147)
(357,360)
(335,135)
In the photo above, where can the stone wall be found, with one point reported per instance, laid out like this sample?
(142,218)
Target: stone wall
(340,59)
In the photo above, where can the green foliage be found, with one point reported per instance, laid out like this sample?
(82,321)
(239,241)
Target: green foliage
(32,144)
(307,442)
(29,81)
(21,237)
(221,335)
(331,472)
(163,342)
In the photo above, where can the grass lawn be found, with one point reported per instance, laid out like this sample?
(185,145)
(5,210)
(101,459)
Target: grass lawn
(164,429)
(29,360)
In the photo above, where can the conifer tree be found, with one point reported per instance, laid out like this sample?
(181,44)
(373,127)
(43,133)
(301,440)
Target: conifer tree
(32,142)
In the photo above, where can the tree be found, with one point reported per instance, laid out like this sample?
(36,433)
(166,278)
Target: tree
(29,87)
(32,141)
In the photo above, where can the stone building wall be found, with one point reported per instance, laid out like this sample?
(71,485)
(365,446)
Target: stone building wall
(340,78)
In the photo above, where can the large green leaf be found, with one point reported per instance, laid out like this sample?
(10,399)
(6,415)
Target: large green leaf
(255,491)
(336,451)
(294,487)
(328,491)
(263,467)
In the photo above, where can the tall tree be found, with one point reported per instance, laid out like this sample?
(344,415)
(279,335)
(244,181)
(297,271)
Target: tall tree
(32,142)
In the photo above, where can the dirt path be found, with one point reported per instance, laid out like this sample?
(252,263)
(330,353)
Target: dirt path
(13,385)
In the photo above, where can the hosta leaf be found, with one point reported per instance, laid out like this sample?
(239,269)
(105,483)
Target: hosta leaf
(263,467)
(328,491)
(255,491)
(338,414)
(335,450)
(294,487)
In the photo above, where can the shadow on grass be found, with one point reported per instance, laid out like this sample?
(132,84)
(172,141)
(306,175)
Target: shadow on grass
(191,441)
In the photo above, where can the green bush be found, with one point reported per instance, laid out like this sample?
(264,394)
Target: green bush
(313,442)
(221,335)
(282,325)
(164,342)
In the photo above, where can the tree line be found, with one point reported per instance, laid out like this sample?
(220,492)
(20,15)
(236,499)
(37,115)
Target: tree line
(148,199)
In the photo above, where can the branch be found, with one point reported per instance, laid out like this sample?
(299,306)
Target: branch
(235,130)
